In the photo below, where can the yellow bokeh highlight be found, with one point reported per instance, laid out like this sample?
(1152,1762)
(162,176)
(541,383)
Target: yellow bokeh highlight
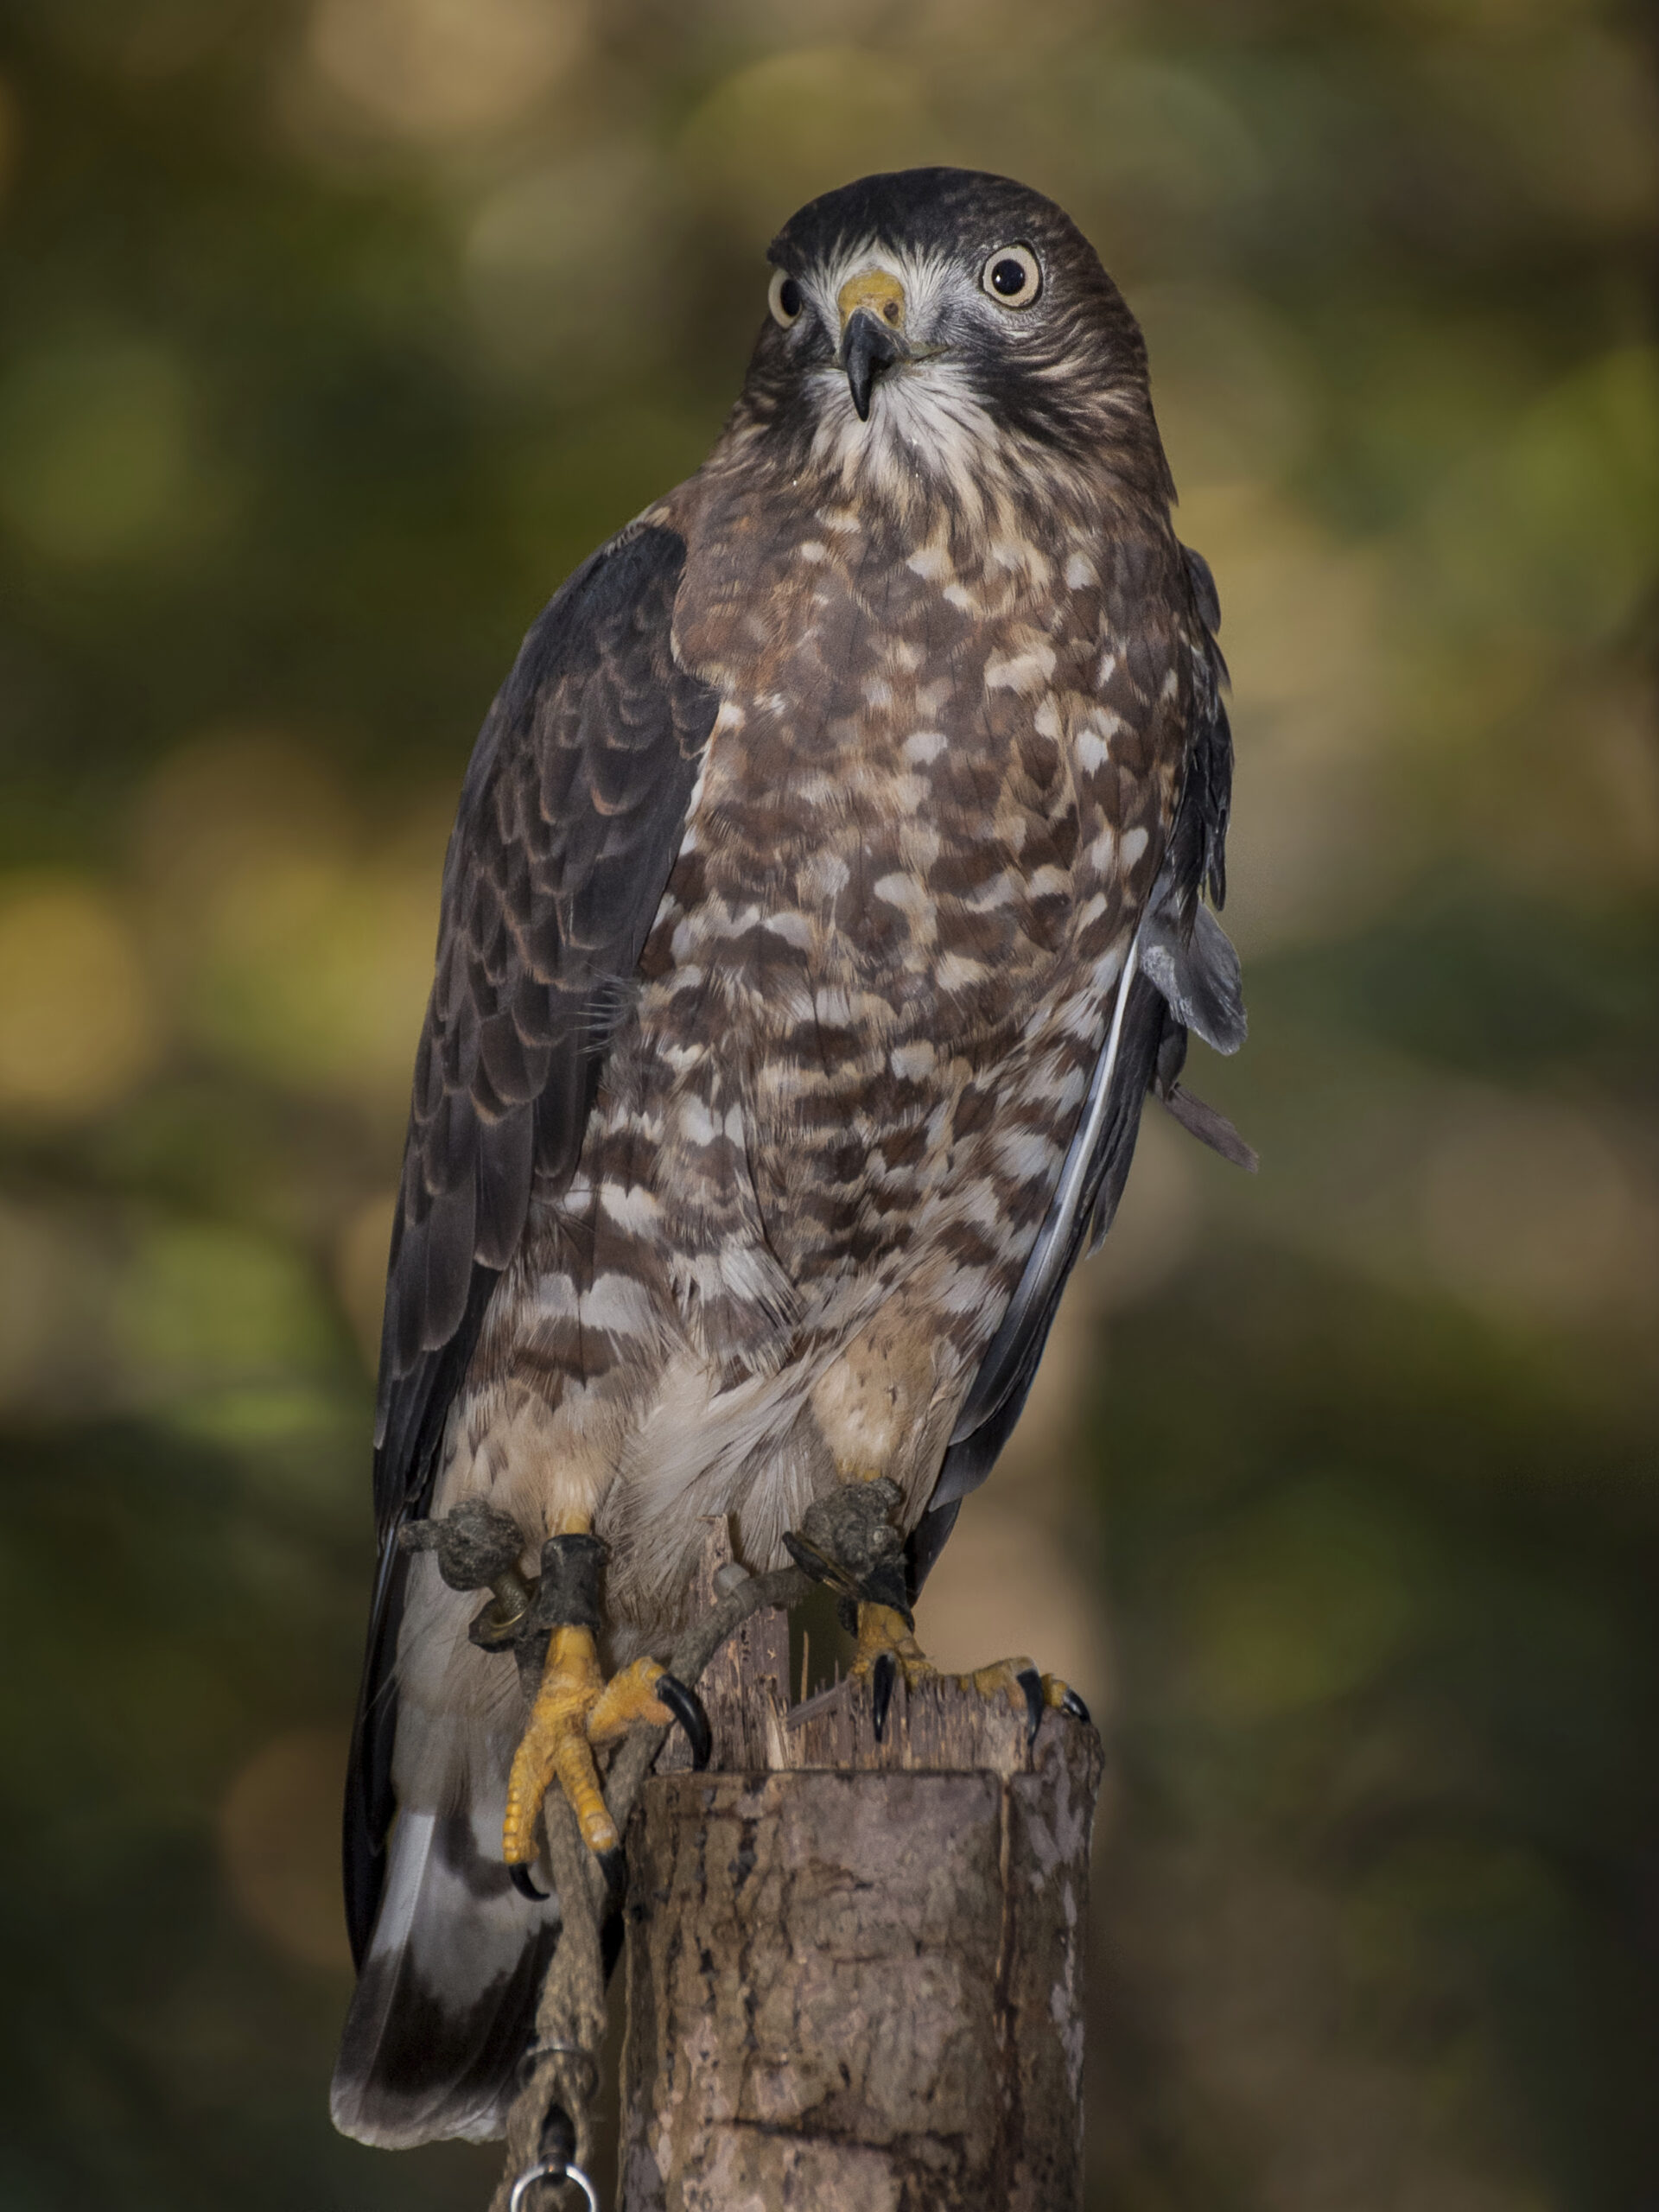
(296,946)
(796,124)
(78,1026)
(317,977)
(279,1847)
(565,265)
(432,70)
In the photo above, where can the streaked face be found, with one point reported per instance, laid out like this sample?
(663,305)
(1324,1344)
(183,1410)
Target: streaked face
(939,324)
(876,312)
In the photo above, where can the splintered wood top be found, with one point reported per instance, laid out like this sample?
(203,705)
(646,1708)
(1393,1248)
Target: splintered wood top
(938,1727)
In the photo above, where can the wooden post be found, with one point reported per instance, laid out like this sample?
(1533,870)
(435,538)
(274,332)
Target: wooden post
(854,1970)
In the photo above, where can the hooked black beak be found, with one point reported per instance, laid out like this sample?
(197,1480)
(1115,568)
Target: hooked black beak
(867,346)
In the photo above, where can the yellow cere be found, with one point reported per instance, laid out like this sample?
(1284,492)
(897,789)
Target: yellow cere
(879,290)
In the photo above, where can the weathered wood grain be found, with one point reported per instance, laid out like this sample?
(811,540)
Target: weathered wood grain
(855,1969)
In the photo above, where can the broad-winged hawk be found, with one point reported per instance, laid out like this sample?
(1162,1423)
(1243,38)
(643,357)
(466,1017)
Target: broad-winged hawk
(823,903)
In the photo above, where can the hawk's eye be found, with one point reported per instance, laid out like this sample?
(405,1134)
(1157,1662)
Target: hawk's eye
(1012,276)
(785,299)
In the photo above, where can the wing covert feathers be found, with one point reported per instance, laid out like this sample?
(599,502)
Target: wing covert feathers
(572,811)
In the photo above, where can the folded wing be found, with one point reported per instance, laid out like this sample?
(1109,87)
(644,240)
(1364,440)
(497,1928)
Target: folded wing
(573,810)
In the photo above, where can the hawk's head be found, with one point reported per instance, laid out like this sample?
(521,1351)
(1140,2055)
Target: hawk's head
(940,327)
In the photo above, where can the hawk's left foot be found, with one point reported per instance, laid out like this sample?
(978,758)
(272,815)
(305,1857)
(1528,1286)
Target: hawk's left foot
(886,1648)
(847,1540)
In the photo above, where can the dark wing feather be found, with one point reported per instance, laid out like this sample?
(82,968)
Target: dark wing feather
(1188,975)
(570,816)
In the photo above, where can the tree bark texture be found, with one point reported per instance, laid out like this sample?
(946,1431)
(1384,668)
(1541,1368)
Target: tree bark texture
(854,1970)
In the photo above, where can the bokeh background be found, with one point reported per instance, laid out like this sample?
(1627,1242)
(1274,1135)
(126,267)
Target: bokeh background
(333,335)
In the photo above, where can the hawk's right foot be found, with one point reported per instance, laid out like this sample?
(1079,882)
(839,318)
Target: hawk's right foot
(576,1709)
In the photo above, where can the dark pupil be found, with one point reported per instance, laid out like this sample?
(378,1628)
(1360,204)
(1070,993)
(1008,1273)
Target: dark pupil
(789,296)
(1008,277)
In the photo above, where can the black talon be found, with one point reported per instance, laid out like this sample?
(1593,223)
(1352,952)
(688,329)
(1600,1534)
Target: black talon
(525,1887)
(883,1675)
(614,1866)
(687,1708)
(1074,1704)
(1032,1683)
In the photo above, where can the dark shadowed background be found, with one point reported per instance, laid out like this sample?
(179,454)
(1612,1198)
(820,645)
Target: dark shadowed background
(333,335)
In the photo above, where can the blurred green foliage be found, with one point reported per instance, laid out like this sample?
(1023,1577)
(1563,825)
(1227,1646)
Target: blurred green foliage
(334,332)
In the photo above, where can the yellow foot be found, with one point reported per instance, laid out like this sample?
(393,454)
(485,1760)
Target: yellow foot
(887,1649)
(575,1709)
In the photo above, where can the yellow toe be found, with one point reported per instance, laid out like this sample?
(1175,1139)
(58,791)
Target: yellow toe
(881,1631)
(555,1748)
(628,1697)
